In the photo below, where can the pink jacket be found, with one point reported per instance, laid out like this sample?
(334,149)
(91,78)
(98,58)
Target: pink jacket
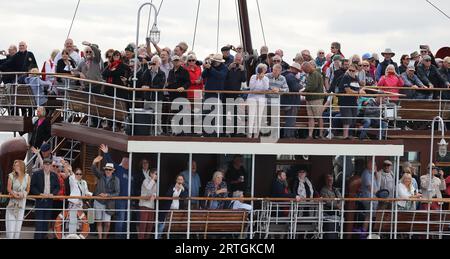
(392,81)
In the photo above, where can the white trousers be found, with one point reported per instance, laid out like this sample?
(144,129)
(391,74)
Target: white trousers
(255,113)
(73,217)
(14,220)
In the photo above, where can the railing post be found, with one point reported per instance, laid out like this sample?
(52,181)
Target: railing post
(330,126)
(218,115)
(156,113)
(371,196)
(16,86)
(63,219)
(130,172)
(114,110)
(344,176)
(395,204)
(89,104)
(253,195)
(190,200)
(158,169)
(380,136)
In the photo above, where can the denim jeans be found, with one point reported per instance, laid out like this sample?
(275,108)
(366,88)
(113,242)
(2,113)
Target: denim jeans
(42,218)
(121,218)
(291,119)
(367,123)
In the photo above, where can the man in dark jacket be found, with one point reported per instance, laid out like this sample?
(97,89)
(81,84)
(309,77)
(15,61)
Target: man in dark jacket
(8,79)
(44,183)
(22,61)
(178,79)
(388,54)
(280,188)
(291,103)
(179,192)
(430,75)
(235,77)
(445,70)
(214,73)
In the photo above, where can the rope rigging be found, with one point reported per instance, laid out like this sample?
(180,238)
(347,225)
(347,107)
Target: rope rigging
(261,22)
(437,8)
(218,28)
(196,25)
(238,21)
(73,19)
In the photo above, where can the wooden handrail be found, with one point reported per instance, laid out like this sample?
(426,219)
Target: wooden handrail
(234,199)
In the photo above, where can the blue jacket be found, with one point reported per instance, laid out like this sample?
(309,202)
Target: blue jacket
(215,78)
(279,190)
(122,174)
(294,87)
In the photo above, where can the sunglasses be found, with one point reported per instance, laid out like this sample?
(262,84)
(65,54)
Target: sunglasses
(108,170)
(366,65)
(192,60)
(352,71)
(78,174)
(277,61)
(321,53)
(88,51)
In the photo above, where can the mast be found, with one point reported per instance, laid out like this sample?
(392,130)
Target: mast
(244,25)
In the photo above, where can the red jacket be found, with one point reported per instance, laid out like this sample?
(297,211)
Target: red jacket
(195,73)
(392,81)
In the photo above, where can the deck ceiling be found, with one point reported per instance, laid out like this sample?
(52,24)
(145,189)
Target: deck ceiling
(316,149)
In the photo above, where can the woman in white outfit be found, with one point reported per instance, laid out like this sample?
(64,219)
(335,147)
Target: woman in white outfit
(78,188)
(147,206)
(18,188)
(257,102)
(406,190)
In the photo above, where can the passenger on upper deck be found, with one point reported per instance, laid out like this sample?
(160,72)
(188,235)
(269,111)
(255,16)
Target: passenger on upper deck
(65,64)
(388,54)
(44,153)
(91,67)
(284,64)
(348,104)
(257,102)
(314,103)
(22,61)
(335,50)
(49,66)
(178,79)
(227,55)
(116,73)
(214,73)
(195,74)
(291,103)
(430,75)
(320,59)
(69,47)
(445,70)
(391,79)
(404,64)
(12,50)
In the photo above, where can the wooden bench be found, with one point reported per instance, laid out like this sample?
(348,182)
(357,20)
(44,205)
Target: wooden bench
(411,222)
(423,110)
(207,222)
(100,107)
(22,97)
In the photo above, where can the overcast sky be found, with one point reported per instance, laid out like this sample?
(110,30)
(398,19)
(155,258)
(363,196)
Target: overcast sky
(360,25)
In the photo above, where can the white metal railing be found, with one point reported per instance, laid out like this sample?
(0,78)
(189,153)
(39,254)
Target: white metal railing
(269,219)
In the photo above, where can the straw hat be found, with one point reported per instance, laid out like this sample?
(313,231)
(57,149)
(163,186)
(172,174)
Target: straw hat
(388,52)
(218,58)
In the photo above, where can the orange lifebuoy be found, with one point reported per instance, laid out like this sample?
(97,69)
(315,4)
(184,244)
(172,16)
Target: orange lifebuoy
(82,219)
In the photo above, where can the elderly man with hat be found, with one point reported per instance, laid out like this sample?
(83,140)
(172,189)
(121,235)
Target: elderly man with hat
(388,54)
(108,185)
(215,73)
(387,178)
(412,80)
(291,103)
(44,183)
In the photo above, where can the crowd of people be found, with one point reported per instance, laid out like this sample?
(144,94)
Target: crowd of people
(180,70)
(52,176)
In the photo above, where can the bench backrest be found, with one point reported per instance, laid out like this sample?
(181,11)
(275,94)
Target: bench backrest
(204,222)
(410,222)
(101,106)
(423,109)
